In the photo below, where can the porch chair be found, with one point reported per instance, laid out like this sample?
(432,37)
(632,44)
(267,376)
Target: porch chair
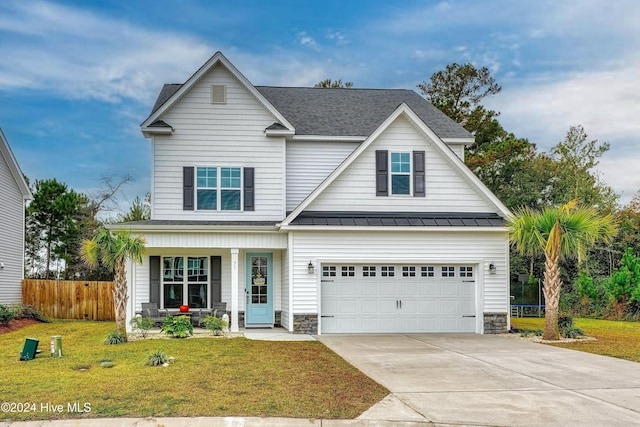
(151,310)
(218,309)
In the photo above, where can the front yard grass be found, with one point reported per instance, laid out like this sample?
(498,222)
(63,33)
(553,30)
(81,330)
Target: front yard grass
(615,339)
(209,377)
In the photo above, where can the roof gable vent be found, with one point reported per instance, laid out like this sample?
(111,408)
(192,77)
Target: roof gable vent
(218,94)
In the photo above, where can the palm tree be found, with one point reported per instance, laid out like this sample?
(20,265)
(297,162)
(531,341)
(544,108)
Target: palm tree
(112,249)
(559,233)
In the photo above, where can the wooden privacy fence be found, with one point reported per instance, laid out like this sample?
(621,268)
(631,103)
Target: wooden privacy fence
(68,299)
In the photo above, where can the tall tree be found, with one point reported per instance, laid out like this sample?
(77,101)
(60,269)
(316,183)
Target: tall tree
(334,84)
(113,249)
(51,219)
(139,210)
(458,89)
(558,233)
(577,157)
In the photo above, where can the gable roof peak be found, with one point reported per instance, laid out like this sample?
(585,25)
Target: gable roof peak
(14,168)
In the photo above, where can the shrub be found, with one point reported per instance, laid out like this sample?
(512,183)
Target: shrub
(142,324)
(177,326)
(8,313)
(30,312)
(157,358)
(567,329)
(115,337)
(215,324)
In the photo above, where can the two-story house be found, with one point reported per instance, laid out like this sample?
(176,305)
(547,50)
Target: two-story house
(15,193)
(320,210)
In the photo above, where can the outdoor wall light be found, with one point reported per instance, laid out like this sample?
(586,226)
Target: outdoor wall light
(311,268)
(492,268)
(1,264)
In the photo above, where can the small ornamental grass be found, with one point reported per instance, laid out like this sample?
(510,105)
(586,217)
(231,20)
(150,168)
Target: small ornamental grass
(157,358)
(177,326)
(115,337)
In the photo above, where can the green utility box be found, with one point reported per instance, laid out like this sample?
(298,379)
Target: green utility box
(30,349)
(56,346)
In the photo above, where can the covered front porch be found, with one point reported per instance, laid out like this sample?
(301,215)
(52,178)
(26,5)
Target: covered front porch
(202,270)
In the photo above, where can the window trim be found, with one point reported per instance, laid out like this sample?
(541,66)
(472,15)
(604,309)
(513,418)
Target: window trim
(185,282)
(410,174)
(219,188)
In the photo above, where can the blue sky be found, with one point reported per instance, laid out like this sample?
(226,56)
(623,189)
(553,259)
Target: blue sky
(78,77)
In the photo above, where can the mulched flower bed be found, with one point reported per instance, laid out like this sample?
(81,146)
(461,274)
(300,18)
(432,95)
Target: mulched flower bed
(16,324)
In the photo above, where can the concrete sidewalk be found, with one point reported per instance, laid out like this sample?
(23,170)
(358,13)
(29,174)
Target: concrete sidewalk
(487,380)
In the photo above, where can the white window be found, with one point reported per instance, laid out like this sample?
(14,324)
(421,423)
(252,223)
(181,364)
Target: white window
(387,271)
(348,271)
(427,271)
(401,173)
(466,271)
(219,188)
(369,271)
(328,271)
(408,271)
(448,272)
(190,289)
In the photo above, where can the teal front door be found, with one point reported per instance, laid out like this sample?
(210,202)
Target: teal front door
(259,290)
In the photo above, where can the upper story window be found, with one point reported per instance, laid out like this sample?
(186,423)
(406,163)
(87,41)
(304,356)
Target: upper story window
(219,188)
(401,173)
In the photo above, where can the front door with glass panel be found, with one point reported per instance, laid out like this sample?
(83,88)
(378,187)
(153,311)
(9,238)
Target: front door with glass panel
(259,290)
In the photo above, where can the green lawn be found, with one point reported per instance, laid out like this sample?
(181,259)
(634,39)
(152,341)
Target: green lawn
(209,377)
(616,339)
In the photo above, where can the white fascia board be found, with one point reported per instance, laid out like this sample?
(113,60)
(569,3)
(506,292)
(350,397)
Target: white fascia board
(147,132)
(14,168)
(218,57)
(465,141)
(426,229)
(325,138)
(281,132)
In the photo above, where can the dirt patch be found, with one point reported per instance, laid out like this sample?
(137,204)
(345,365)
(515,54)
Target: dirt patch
(16,324)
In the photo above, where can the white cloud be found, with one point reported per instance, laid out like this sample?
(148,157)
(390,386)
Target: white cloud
(82,55)
(306,40)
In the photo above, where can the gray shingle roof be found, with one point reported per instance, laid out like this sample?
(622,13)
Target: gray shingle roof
(353,112)
(344,112)
(418,219)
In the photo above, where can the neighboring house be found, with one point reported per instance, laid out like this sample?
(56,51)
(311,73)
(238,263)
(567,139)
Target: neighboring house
(15,193)
(320,210)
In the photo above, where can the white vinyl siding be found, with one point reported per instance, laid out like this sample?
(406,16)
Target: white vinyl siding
(284,319)
(310,163)
(218,134)
(388,248)
(11,236)
(446,188)
(266,240)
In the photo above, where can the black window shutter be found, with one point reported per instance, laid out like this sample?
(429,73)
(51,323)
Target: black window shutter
(249,189)
(187,188)
(382,173)
(154,279)
(216,279)
(418,174)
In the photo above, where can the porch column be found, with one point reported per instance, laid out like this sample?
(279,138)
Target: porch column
(234,290)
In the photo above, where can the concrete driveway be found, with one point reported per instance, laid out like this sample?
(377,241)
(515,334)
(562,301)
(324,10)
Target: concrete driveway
(492,380)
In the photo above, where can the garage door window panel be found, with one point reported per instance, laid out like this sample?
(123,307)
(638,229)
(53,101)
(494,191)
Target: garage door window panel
(427,271)
(387,271)
(348,271)
(408,271)
(448,271)
(466,271)
(369,271)
(328,271)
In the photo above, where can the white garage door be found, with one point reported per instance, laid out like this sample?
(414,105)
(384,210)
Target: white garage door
(398,298)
